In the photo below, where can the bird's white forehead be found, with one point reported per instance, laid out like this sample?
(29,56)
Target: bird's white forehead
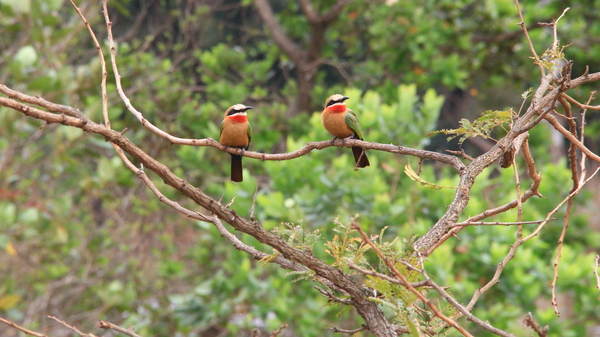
(336,97)
(238,107)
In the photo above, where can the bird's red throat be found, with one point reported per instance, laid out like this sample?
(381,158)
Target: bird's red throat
(340,107)
(238,118)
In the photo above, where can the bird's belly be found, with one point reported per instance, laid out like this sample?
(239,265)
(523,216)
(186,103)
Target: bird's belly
(235,135)
(335,123)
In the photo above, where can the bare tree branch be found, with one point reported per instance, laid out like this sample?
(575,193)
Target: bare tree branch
(108,325)
(74,328)
(530,322)
(483,223)
(408,286)
(20,328)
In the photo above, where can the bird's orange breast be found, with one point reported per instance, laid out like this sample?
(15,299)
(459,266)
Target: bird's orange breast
(335,123)
(235,133)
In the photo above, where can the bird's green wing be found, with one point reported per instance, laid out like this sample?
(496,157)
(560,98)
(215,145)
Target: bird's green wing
(221,128)
(249,133)
(352,122)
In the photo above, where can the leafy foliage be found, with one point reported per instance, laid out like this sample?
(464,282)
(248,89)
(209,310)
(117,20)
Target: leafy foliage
(482,126)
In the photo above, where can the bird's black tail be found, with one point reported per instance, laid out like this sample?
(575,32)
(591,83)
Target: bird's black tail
(360,157)
(236,168)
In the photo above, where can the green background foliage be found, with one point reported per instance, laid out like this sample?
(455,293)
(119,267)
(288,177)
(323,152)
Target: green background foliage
(82,239)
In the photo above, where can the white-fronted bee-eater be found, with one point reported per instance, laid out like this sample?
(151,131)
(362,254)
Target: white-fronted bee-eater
(236,132)
(342,123)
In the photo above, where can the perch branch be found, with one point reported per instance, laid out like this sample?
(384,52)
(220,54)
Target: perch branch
(20,328)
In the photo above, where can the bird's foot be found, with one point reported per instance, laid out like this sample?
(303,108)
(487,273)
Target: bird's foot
(333,140)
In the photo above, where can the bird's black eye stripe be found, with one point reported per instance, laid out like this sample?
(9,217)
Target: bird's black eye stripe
(232,112)
(333,101)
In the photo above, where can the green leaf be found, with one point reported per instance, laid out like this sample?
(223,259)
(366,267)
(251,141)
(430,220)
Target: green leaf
(26,56)
(415,177)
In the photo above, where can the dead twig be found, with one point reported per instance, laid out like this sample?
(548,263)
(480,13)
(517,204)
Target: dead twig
(20,328)
(407,284)
(497,223)
(279,330)
(72,327)
(530,322)
(108,325)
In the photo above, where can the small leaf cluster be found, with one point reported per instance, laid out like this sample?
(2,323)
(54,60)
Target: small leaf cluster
(482,126)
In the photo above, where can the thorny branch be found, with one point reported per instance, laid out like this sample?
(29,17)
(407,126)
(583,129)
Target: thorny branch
(20,328)
(530,322)
(402,278)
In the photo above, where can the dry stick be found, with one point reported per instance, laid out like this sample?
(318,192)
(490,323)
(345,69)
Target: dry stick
(571,195)
(67,110)
(497,223)
(495,279)
(572,155)
(437,232)
(582,106)
(352,265)
(531,48)
(450,299)
(519,142)
(102,63)
(530,322)
(278,331)
(108,325)
(519,203)
(71,327)
(350,332)
(554,28)
(20,328)
(596,260)
(540,106)
(408,286)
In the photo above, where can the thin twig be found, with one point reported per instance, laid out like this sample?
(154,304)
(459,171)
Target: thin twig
(102,63)
(72,327)
(20,328)
(407,284)
(531,48)
(572,156)
(464,311)
(580,105)
(497,223)
(555,26)
(108,325)
(350,332)
(279,330)
(530,322)
(385,277)
(596,260)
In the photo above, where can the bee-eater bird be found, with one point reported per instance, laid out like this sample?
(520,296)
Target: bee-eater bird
(236,132)
(342,123)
